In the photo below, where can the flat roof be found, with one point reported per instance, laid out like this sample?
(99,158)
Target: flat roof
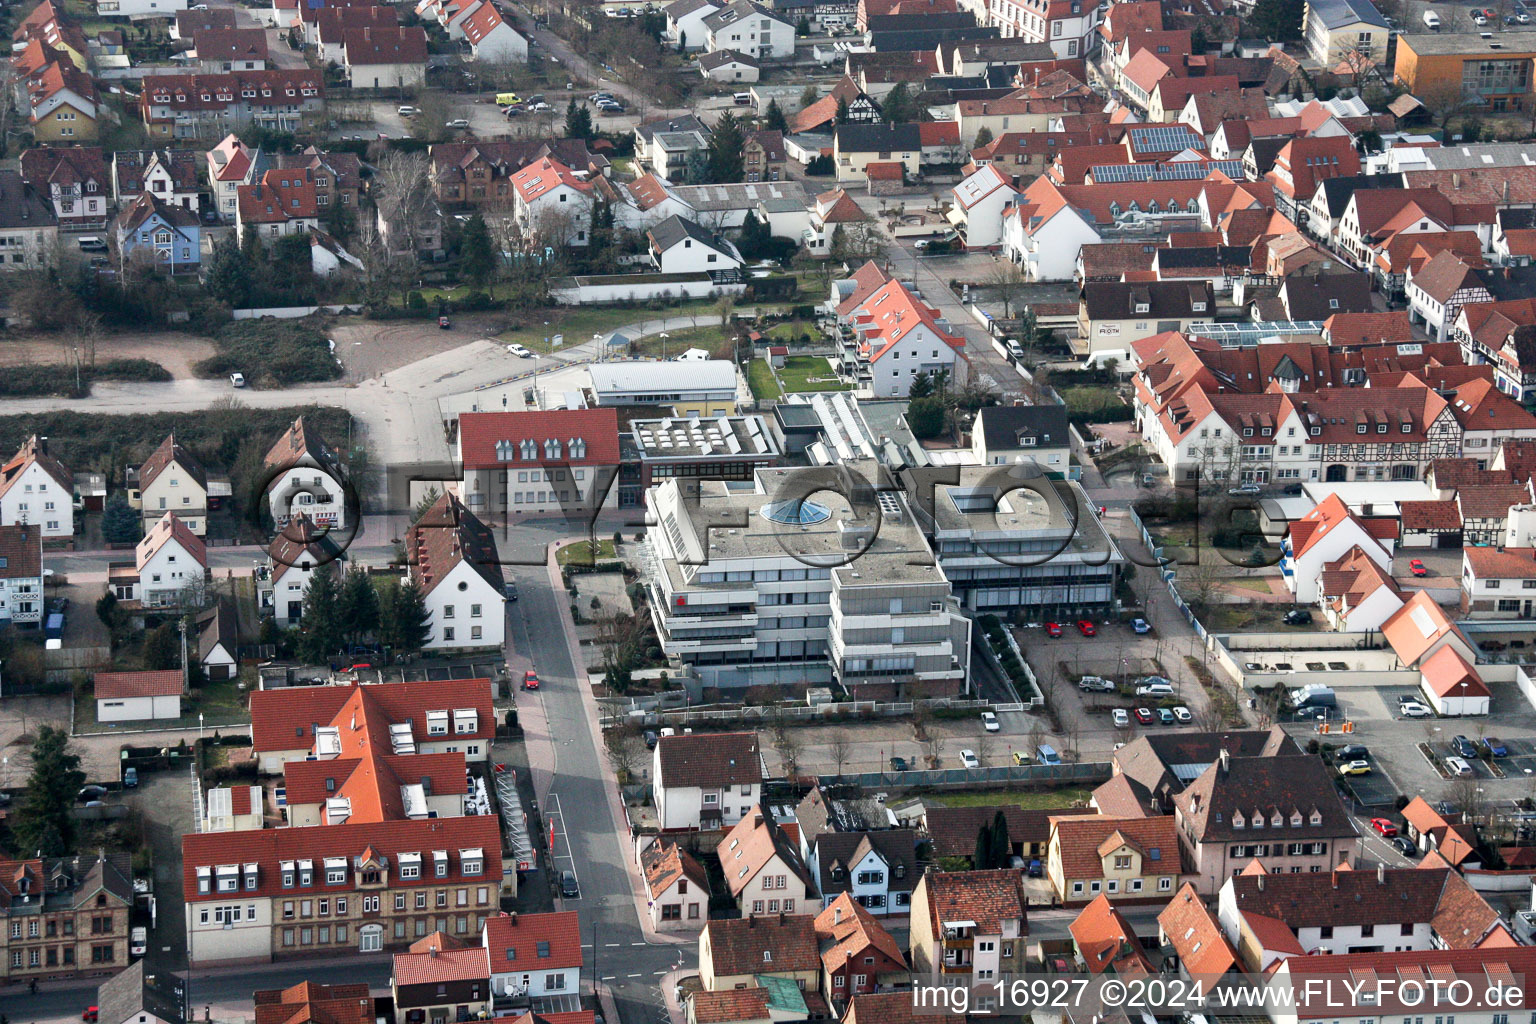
(1470,44)
(680,437)
(664,377)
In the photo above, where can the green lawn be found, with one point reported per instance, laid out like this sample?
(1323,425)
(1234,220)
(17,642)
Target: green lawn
(1031,799)
(710,339)
(580,553)
(1091,399)
(579,323)
(790,331)
(218,704)
(798,371)
(760,380)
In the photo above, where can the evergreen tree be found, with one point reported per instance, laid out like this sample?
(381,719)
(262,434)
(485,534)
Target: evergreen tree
(250,245)
(803,26)
(162,647)
(404,622)
(359,612)
(774,117)
(808,95)
(320,626)
(899,107)
(229,275)
(725,146)
(921,386)
(120,524)
(925,417)
(983,136)
(981,859)
(1002,846)
(578,120)
(841,117)
(43,824)
(1278,21)
(477,256)
(755,235)
(696,167)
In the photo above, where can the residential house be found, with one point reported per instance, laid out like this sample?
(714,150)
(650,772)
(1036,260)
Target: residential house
(159,235)
(1484,511)
(762,154)
(334,1004)
(877,869)
(138,696)
(1351,33)
(188,23)
(439,978)
(1498,582)
(1201,952)
(552,204)
(685,23)
(172,480)
(284,893)
(1393,971)
(218,637)
(1112,315)
(1356,593)
(133,997)
(222,50)
(230,165)
(298,552)
(1071,29)
(1106,942)
(970,922)
(1322,537)
(170,175)
(67,917)
(194,106)
(546,461)
(1124,858)
(763,868)
(896,336)
(856,146)
(1452,687)
(62,104)
(953,830)
(453,561)
(534,955)
(281,202)
(749,28)
(740,952)
(391,56)
(479,173)
(1044,232)
(980,199)
(411,224)
(1440,289)
(1283,810)
(337,176)
(832,210)
(491,38)
(36,488)
(1420,628)
(680,245)
(74,178)
(1318,291)
(305,475)
(1267,917)
(298,731)
(707,781)
(328,32)
(21,575)
(1005,434)
(858,955)
(1444,832)
(29,230)
(676,886)
(729,66)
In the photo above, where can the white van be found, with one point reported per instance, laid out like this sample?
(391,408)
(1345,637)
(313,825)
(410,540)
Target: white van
(92,243)
(1432,21)
(742,99)
(138,942)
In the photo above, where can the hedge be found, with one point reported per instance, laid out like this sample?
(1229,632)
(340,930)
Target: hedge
(60,378)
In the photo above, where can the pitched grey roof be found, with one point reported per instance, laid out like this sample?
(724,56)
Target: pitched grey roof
(674,229)
(738,10)
(897,847)
(123,997)
(878,138)
(216,627)
(1002,426)
(1343,13)
(686,123)
(720,58)
(21,205)
(683,8)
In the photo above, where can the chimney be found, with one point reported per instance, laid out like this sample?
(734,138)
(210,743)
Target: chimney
(781,917)
(757,820)
(837,915)
(432,952)
(1381,874)
(1260,879)
(751,920)
(1506,190)
(1335,877)
(1455,179)
(1226,761)
(512,918)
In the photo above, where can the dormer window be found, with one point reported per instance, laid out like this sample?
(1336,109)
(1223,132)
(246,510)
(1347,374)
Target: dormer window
(1276,821)
(1360,429)
(1317,431)
(1407,428)
(1317,818)
(1142,307)
(1238,820)
(1381,428)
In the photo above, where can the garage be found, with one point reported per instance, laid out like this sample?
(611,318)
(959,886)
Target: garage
(138,696)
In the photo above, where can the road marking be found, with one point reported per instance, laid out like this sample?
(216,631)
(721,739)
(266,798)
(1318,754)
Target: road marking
(586,945)
(634,975)
(636,943)
(609,977)
(658,973)
(611,945)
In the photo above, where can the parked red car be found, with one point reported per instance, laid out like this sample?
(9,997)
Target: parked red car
(1383,827)
(1053,629)
(1144,716)
(530,680)
(1085,627)
(90,1015)
(1417,568)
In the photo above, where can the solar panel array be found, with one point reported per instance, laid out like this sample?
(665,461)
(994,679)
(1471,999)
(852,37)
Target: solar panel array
(1164,138)
(1186,170)
(1243,335)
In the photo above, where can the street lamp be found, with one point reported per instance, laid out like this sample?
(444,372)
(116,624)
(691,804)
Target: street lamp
(664,337)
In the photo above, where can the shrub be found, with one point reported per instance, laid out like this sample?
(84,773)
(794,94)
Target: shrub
(60,379)
(416,301)
(287,351)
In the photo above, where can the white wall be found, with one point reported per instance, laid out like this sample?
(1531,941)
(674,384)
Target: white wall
(39,499)
(137,709)
(249,938)
(491,622)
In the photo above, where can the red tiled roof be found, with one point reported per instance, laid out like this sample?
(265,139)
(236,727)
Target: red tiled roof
(543,176)
(1204,952)
(885,170)
(120,685)
(481,432)
(559,934)
(1431,515)
(169,528)
(444,965)
(986,898)
(939,133)
(729,1005)
(385,44)
(284,719)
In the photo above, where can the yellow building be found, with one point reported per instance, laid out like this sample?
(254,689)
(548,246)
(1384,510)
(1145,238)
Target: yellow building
(704,388)
(1125,859)
(1496,71)
(1338,29)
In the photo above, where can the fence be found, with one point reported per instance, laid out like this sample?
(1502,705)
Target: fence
(1092,771)
(762,713)
(291,312)
(1167,574)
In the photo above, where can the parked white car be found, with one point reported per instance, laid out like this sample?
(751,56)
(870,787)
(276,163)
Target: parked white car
(1415,710)
(1121,718)
(969,759)
(521,351)
(1156,690)
(989,722)
(1459,767)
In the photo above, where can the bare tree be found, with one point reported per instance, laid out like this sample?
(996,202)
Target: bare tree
(1007,280)
(933,750)
(839,748)
(1444,100)
(787,743)
(858,242)
(623,752)
(90,332)
(403,193)
(983,747)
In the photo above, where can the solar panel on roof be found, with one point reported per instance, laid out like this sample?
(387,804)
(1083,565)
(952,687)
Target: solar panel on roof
(1162,137)
(1188,171)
